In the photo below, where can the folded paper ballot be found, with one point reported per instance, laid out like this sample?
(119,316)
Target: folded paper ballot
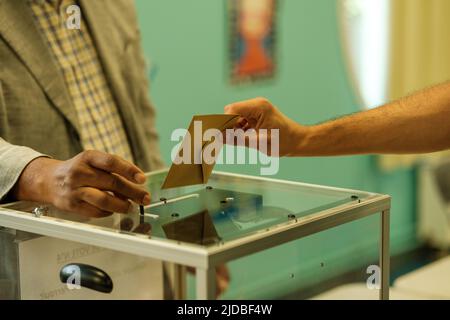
(191,166)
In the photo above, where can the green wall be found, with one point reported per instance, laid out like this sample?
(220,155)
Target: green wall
(185,42)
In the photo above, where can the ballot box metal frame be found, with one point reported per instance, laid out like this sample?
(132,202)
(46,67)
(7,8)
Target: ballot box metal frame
(205,258)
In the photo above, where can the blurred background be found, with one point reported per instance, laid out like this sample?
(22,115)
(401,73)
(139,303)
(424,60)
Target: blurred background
(328,58)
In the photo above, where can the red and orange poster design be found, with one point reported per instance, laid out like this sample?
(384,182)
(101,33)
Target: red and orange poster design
(252,39)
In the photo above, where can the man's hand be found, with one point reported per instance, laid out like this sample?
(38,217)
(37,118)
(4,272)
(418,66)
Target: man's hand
(259,114)
(93,183)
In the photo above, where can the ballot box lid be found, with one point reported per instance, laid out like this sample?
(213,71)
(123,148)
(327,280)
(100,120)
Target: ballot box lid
(230,217)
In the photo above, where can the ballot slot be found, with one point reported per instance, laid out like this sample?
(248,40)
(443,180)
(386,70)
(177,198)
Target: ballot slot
(164,201)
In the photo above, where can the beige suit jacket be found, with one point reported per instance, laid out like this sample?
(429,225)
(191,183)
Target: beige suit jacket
(37,115)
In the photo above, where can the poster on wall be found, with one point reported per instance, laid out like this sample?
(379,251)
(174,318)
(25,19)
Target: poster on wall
(252,40)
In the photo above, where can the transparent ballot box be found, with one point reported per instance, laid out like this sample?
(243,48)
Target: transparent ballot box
(201,227)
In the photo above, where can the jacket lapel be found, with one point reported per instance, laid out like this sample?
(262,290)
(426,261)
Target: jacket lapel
(20,32)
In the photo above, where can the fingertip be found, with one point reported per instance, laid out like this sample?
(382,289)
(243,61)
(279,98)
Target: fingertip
(140,178)
(146,200)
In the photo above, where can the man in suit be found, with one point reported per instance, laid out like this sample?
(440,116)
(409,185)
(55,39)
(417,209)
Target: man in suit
(76,123)
(64,91)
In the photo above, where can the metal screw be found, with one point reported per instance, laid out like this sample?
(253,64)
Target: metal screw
(39,211)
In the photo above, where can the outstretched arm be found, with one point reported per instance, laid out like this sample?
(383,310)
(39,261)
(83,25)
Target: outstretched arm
(419,123)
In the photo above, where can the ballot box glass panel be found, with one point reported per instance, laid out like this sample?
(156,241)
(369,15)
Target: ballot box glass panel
(229,207)
(322,266)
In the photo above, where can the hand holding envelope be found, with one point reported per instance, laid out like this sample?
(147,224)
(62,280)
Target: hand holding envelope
(193,169)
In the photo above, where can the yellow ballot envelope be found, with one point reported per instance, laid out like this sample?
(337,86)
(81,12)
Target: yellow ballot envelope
(190,166)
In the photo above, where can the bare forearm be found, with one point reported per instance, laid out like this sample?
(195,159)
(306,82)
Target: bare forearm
(417,124)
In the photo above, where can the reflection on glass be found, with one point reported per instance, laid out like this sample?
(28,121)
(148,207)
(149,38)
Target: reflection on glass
(197,228)
(209,215)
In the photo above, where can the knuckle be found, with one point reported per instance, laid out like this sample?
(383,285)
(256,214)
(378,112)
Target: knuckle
(85,155)
(116,183)
(69,180)
(263,101)
(108,160)
(71,177)
(266,104)
(76,171)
